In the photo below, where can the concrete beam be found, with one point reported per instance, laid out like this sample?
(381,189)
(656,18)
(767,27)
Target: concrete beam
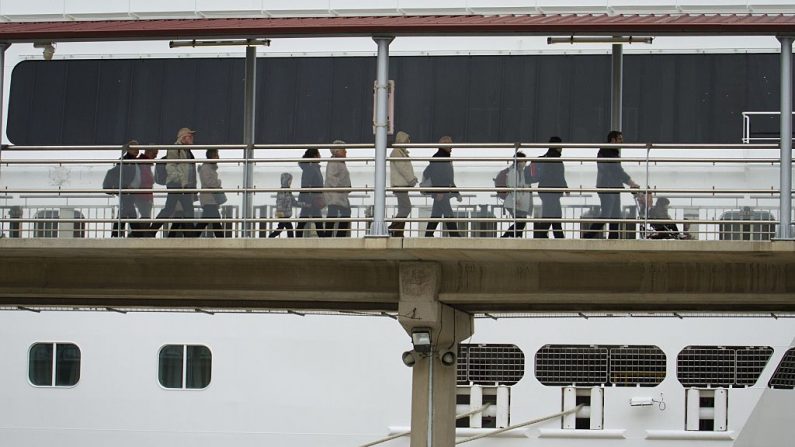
(475,274)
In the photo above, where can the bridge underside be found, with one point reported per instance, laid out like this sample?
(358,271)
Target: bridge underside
(364,274)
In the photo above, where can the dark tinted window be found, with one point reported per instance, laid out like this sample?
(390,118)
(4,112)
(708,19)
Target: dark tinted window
(67,364)
(185,366)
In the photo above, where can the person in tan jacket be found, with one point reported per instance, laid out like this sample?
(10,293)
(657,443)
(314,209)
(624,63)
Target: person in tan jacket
(211,201)
(401,174)
(339,206)
(180,176)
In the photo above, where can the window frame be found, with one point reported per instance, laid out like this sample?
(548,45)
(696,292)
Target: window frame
(54,364)
(184,378)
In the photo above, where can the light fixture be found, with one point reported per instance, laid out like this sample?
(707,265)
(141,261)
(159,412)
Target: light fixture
(448,358)
(586,39)
(421,339)
(408,358)
(48,49)
(219,43)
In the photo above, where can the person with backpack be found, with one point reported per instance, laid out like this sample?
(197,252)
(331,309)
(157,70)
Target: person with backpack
(551,174)
(178,176)
(440,172)
(130,179)
(518,203)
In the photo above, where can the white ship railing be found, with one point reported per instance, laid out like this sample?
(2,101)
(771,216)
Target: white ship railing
(710,211)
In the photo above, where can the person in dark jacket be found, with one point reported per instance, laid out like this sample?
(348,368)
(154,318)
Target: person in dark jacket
(311,203)
(610,174)
(131,179)
(441,174)
(551,174)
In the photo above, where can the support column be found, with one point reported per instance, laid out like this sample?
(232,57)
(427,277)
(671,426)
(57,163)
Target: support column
(3,47)
(616,88)
(249,120)
(433,397)
(378,228)
(785,198)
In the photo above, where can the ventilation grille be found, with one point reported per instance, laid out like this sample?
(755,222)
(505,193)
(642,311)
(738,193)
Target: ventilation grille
(489,364)
(718,366)
(562,365)
(784,377)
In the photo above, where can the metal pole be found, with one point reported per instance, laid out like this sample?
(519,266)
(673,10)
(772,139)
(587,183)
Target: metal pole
(378,228)
(616,89)
(3,47)
(248,137)
(785,203)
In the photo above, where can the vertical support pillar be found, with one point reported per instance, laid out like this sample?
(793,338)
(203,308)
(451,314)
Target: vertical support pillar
(785,203)
(616,88)
(3,47)
(249,116)
(378,228)
(433,390)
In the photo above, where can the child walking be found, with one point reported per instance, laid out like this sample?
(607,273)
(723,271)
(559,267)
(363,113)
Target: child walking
(285,202)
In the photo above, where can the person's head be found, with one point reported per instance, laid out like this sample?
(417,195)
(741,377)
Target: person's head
(212,154)
(662,202)
(338,152)
(286,179)
(615,137)
(131,151)
(446,140)
(311,153)
(520,159)
(185,136)
(151,152)
(556,139)
(402,138)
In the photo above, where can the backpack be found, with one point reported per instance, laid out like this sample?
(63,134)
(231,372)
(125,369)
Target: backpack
(501,181)
(426,182)
(161,175)
(533,172)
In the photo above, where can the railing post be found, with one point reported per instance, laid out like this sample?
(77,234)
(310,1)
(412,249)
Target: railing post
(617,87)
(785,194)
(249,116)
(378,228)
(3,47)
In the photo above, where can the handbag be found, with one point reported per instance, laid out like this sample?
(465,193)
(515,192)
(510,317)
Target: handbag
(220,197)
(318,201)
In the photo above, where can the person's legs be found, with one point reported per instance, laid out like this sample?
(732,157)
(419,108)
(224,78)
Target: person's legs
(556,211)
(277,231)
(299,227)
(605,200)
(436,212)
(403,211)
(518,230)
(126,212)
(186,201)
(332,213)
(613,212)
(210,212)
(343,228)
(168,210)
(447,212)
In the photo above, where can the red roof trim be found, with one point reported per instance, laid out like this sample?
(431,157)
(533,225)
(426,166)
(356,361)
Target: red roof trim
(737,24)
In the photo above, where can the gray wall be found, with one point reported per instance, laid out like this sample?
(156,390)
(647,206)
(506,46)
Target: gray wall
(668,98)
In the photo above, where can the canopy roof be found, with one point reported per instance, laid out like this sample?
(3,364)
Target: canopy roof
(539,24)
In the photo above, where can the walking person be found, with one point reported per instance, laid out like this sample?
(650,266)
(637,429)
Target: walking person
(339,206)
(610,174)
(401,174)
(144,201)
(551,174)
(285,202)
(442,175)
(130,179)
(518,203)
(311,203)
(211,201)
(179,176)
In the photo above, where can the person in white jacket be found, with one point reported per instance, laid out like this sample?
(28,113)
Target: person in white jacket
(518,203)
(339,206)
(401,174)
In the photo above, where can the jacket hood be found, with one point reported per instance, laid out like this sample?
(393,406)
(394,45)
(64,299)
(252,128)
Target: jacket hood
(286,179)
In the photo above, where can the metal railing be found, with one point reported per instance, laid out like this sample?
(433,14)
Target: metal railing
(56,191)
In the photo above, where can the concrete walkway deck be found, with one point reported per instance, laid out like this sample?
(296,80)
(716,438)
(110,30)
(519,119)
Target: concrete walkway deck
(486,275)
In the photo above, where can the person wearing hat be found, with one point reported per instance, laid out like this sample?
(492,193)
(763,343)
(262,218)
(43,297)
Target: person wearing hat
(179,176)
(339,206)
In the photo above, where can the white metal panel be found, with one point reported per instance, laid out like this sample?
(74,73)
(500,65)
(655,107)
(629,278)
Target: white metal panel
(297,8)
(357,7)
(92,8)
(597,407)
(725,6)
(229,8)
(569,402)
(475,402)
(721,409)
(503,6)
(693,406)
(32,9)
(503,406)
(771,6)
(553,6)
(436,7)
(159,8)
(645,6)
